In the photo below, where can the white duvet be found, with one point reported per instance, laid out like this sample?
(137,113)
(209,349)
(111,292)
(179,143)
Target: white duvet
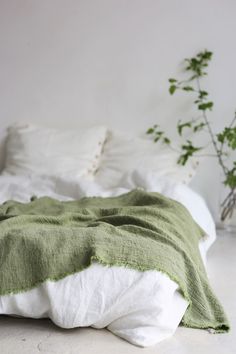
(141,307)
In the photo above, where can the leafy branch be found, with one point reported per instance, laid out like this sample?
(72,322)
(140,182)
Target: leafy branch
(223,142)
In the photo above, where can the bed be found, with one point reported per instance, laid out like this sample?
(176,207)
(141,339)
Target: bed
(143,306)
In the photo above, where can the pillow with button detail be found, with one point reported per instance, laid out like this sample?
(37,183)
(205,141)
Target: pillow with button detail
(32,150)
(124,154)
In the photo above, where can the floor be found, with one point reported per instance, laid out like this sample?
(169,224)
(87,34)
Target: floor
(19,336)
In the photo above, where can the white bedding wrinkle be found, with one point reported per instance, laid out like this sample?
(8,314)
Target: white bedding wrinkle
(141,307)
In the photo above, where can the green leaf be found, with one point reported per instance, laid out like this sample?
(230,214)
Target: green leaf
(198,127)
(202,94)
(150,131)
(221,138)
(230,180)
(180,126)
(166,140)
(228,135)
(183,159)
(205,106)
(188,151)
(188,88)
(206,55)
(197,64)
(172,89)
(159,133)
(172,80)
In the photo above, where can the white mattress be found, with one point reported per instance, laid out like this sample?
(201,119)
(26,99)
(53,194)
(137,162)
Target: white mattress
(141,307)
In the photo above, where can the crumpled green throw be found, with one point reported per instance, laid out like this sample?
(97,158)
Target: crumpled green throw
(49,239)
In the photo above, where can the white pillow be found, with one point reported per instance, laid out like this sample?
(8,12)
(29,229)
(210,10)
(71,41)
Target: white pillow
(43,151)
(124,154)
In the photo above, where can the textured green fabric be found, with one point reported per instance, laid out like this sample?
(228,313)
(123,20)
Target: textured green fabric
(49,239)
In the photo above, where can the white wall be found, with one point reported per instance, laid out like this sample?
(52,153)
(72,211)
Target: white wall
(73,63)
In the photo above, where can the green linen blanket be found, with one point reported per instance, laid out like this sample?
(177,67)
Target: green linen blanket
(49,239)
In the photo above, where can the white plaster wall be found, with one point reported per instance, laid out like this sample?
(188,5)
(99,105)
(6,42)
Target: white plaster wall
(74,63)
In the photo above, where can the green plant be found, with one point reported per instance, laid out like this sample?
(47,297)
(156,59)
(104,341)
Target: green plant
(223,143)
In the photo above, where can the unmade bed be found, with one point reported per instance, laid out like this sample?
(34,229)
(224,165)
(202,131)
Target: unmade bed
(125,252)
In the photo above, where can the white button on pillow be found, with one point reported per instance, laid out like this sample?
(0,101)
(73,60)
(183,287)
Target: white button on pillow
(44,151)
(123,154)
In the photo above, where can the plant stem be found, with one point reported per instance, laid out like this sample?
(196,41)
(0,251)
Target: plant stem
(229,202)
(218,153)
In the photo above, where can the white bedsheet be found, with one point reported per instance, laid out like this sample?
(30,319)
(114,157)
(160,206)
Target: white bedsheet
(141,307)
